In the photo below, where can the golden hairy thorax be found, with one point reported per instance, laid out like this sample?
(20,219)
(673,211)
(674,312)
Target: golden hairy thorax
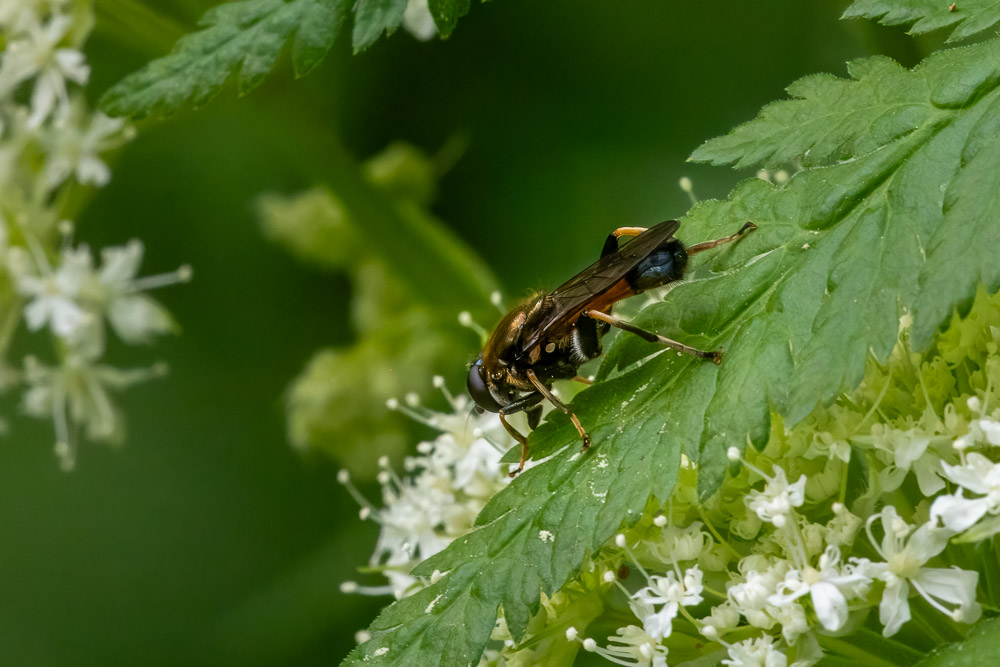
(505,342)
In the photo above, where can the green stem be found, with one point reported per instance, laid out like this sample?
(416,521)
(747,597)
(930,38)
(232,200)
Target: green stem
(918,616)
(842,494)
(138,25)
(9,327)
(436,265)
(848,650)
(715,533)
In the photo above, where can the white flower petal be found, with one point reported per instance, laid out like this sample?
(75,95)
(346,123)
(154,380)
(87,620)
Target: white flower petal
(927,541)
(950,585)
(120,265)
(958,513)
(830,605)
(73,65)
(894,610)
(418,21)
(48,87)
(92,171)
(911,449)
(972,475)
(138,318)
(928,475)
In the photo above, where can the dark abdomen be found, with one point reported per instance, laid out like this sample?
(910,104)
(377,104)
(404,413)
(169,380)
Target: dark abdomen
(664,265)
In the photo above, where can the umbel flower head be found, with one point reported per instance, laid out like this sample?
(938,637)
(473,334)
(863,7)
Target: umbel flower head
(449,481)
(50,141)
(37,52)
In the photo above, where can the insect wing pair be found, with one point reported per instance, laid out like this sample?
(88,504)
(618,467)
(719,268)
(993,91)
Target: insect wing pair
(550,335)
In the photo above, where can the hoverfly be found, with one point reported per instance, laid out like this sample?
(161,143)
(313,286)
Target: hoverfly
(549,335)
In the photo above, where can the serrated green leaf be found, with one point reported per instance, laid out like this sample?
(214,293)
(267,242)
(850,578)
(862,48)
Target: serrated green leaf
(970,16)
(244,37)
(839,119)
(446,14)
(981,647)
(968,234)
(373,17)
(797,305)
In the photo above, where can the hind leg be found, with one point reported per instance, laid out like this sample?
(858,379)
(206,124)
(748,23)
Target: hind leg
(611,243)
(699,247)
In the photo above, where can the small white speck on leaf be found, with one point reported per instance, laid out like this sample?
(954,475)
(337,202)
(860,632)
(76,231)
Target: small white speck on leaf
(430,607)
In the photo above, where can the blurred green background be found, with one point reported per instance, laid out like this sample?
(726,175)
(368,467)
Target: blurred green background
(206,539)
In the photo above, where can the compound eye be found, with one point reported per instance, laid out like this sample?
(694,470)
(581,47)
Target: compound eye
(478,389)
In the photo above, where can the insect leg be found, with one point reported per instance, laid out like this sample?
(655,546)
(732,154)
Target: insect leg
(699,247)
(583,380)
(544,391)
(628,231)
(514,433)
(611,244)
(534,417)
(715,356)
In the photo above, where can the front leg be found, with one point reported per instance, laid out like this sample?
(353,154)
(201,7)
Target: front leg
(544,391)
(514,433)
(527,403)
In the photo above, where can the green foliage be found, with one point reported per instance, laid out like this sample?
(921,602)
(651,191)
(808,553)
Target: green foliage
(373,17)
(841,251)
(446,14)
(830,118)
(245,37)
(981,647)
(338,403)
(970,16)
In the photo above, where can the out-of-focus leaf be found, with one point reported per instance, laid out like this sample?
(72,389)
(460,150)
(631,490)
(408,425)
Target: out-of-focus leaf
(981,647)
(373,17)
(338,403)
(446,14)
(245,37)
(969,16)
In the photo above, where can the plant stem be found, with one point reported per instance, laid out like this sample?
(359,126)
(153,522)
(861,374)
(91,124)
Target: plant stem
(138,25)
(849,650)
(715,534)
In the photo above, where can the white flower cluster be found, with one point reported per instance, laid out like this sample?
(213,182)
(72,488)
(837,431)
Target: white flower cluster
(976,474)
(794,587)
(889,482)
(446,485)
(49,148)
